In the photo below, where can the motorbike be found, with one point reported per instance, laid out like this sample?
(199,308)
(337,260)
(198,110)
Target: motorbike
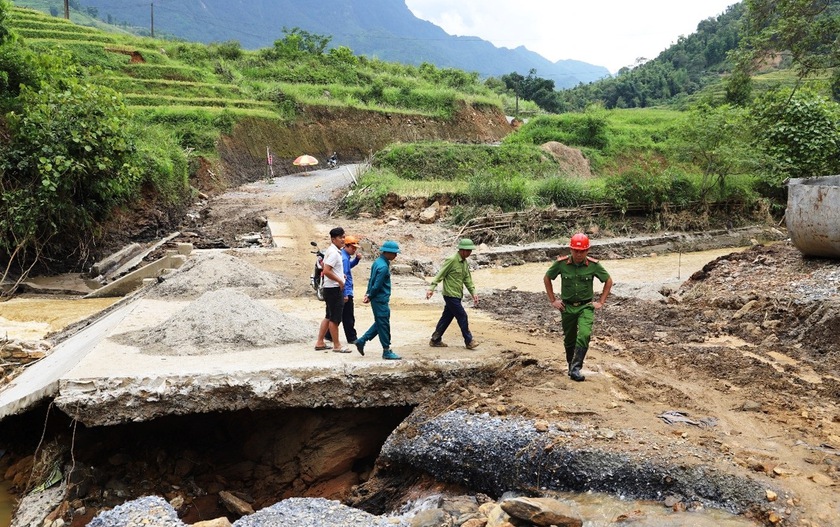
(332,162)
(316,280)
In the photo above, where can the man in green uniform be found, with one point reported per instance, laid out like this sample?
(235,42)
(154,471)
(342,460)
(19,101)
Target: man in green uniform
(378,296)
(455,275)
(576,302)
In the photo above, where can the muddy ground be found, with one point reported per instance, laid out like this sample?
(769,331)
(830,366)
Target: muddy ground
(750,343)
(747,349)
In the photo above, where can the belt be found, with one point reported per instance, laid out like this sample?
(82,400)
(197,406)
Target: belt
(577,304)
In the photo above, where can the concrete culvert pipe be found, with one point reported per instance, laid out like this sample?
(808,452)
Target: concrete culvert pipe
(813,215)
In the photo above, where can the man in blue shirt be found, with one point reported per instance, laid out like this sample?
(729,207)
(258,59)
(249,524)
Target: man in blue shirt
(378,295)
(351,259)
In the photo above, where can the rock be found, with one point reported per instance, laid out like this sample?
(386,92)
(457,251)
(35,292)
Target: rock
(745,309)
(542,511)
(431,518)
(497,517)
(430,213)
(750,406)
(771,495)
(218,522)
(235,505)
(671,501)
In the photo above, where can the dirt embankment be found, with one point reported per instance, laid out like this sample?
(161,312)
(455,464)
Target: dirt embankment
(353,134)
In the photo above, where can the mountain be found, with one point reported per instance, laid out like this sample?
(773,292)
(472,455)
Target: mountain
(385,29)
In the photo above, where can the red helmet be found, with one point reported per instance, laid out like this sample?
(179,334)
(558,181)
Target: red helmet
(580,242)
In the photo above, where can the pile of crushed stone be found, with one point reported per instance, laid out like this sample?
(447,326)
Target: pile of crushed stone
(154,511)
(215,270)
(217,322)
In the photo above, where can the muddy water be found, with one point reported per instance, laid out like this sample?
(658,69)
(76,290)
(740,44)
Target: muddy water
(32,318)
(6,503)
(602,510)
(638,277)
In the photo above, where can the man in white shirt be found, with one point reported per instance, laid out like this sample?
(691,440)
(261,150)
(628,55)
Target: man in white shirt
(333,292)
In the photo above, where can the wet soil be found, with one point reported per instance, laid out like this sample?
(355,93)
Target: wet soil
(748,341)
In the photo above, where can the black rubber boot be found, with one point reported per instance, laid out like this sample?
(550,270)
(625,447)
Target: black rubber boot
(577,364)
(570,352)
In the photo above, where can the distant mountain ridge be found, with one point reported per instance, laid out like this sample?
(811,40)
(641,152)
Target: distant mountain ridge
(385,29)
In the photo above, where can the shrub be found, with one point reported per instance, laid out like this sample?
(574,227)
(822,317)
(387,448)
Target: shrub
(69,160)
(636,188)
(564,191)
(508,192)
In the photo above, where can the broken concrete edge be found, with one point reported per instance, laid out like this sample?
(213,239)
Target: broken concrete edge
(128,283)
(459,447)
(116,400)
(126,258)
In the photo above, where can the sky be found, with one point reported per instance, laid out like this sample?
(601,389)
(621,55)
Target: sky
(610,33)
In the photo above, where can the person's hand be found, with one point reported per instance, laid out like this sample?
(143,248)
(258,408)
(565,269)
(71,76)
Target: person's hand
(598,305)
(366,300)
(429,294)
(341,284)
(475,300)
(346,298)
(559,304)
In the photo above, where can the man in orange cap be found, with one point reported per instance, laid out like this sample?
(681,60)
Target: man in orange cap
(351,259)
(577,299)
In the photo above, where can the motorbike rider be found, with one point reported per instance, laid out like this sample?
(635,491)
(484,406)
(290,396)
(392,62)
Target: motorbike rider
(333,160)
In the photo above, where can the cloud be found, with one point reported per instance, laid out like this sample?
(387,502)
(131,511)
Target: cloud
(611,33)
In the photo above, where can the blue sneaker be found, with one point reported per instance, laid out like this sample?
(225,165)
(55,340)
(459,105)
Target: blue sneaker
(390,355)
(360,346)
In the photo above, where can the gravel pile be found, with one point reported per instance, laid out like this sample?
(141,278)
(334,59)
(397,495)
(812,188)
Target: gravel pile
(149,511)
(308,512)
(219,321)
(294,512)
(214,270)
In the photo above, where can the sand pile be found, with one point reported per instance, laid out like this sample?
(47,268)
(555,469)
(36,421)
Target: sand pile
(212,271)
(218,322)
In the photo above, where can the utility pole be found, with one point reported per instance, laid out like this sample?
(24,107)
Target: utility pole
(153,20)
(67,9)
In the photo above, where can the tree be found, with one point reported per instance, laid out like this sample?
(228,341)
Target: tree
(798,134)
(717,141)
(5,34)
(807,29)
(68,161)
(297,41)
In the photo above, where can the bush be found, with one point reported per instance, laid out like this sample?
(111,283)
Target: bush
(450,161)
(163,164)
(69,160)
(564,191)
(637,189)
(508,192)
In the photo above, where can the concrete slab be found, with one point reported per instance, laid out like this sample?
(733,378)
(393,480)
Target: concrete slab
(117,382)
